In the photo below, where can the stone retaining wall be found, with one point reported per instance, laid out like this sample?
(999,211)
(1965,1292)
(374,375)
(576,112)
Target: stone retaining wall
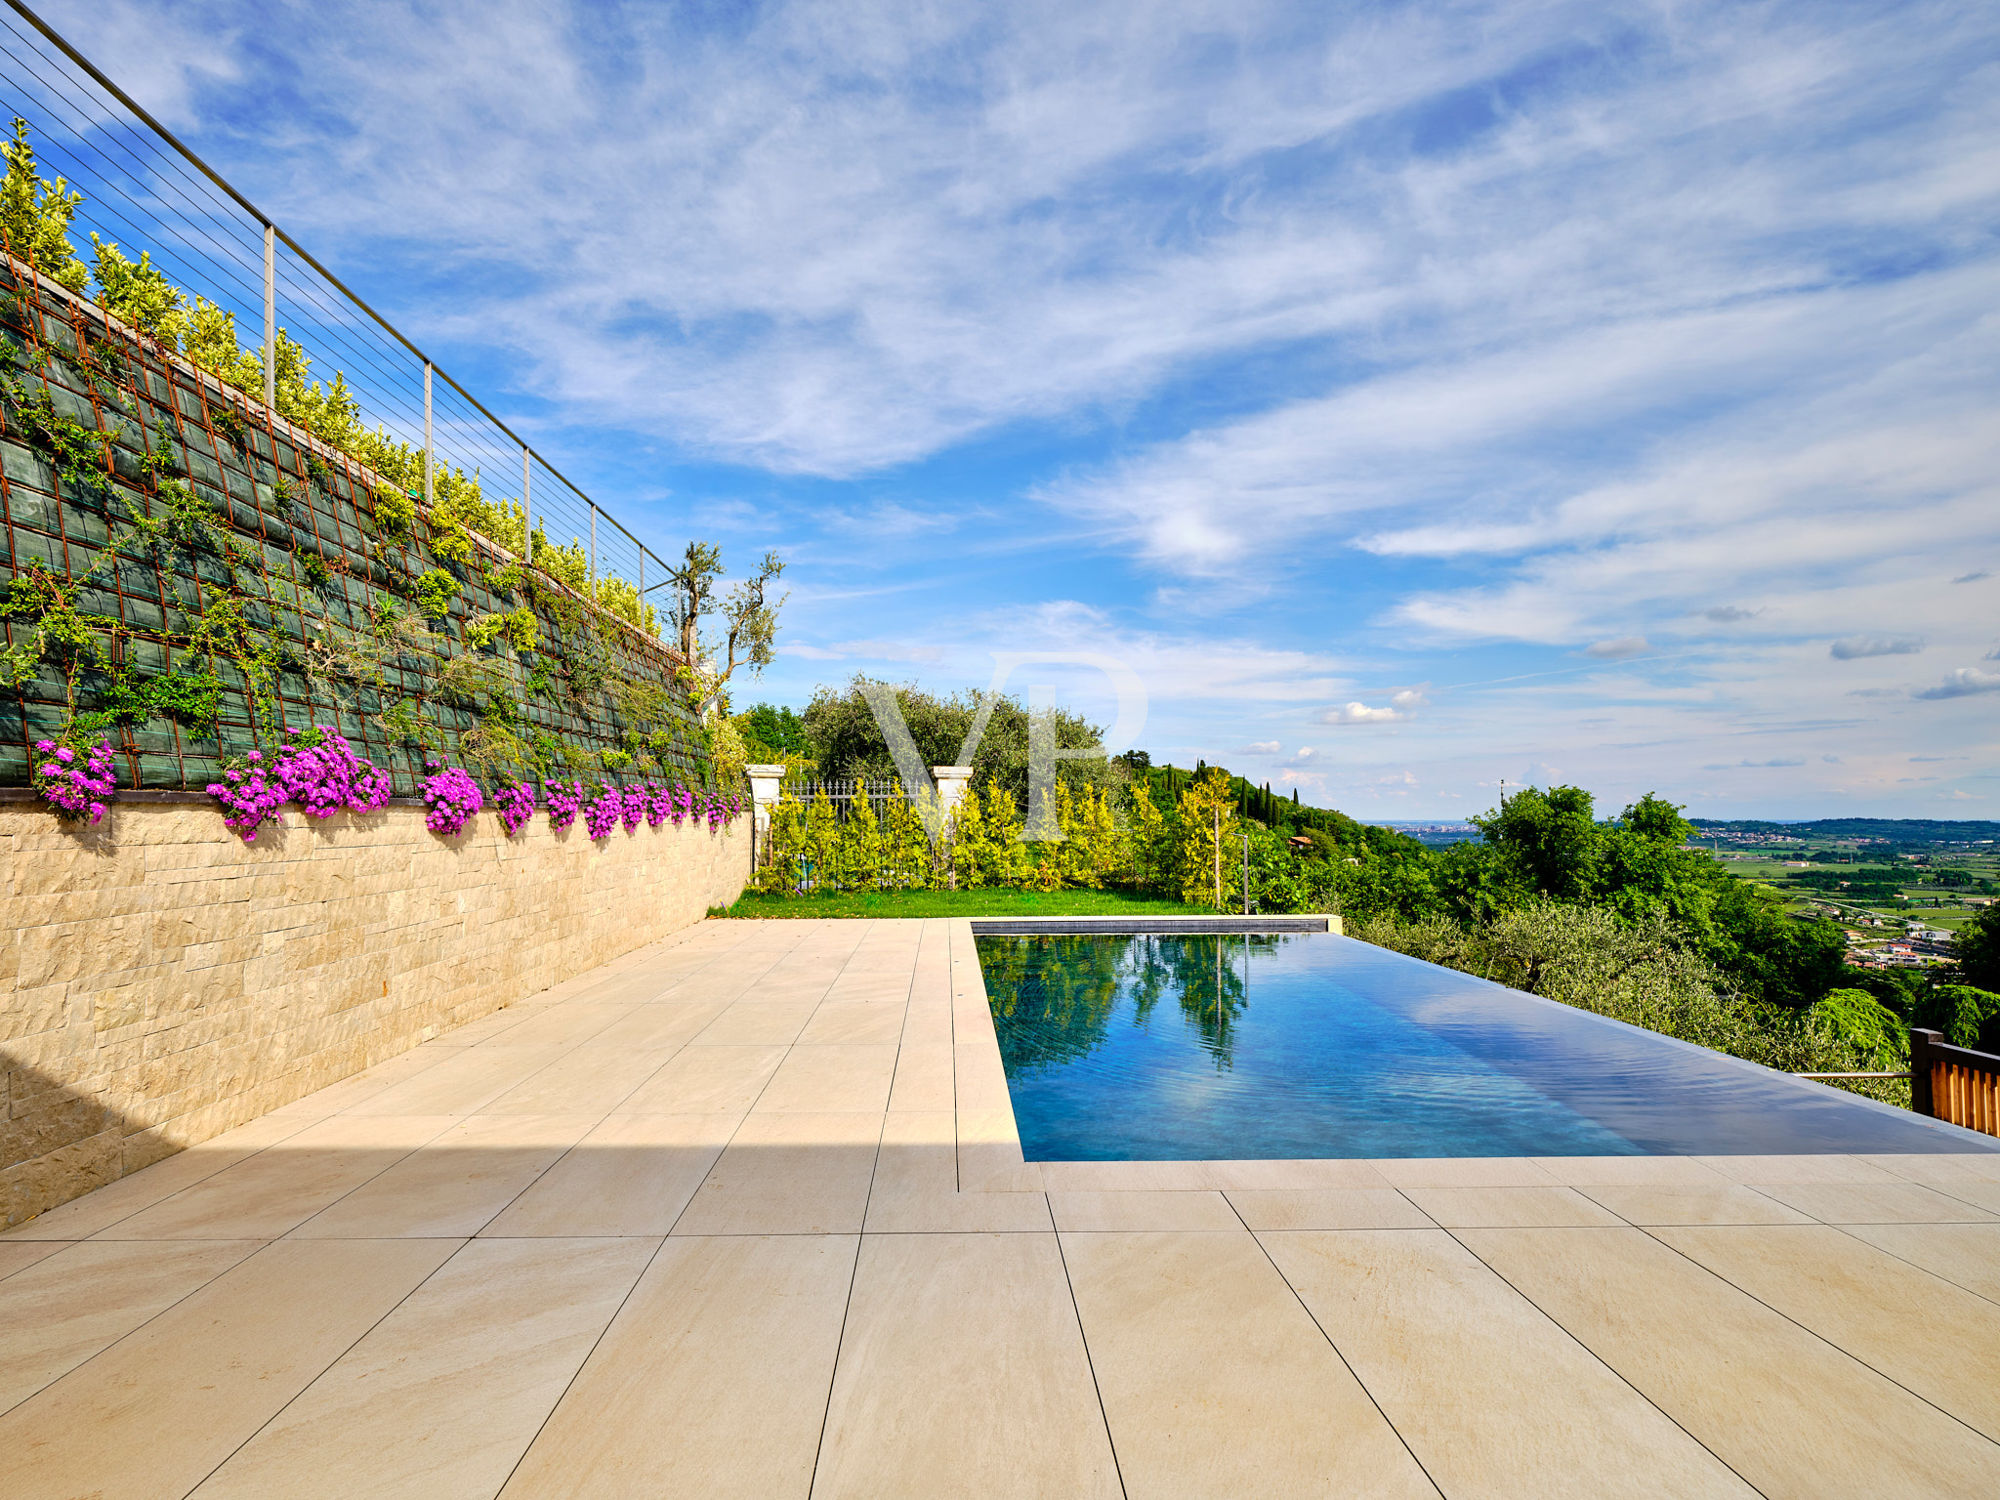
(161,981)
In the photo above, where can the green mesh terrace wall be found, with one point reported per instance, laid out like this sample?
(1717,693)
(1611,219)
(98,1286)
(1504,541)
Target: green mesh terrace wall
(286,550)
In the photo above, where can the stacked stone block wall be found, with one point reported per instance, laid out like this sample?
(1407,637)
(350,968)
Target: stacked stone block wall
(161,981)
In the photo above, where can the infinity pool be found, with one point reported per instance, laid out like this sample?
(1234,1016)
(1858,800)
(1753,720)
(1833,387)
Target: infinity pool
(1166,1047)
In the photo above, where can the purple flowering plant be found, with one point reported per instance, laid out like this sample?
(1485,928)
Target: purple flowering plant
(631,807)
(76,786)
(315,768)
(453,798)
(602,811)
(515,804)
(564,800)
(659,804)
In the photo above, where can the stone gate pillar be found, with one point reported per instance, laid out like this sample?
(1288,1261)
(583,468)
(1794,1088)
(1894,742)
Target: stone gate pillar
(951,783)
(764,784)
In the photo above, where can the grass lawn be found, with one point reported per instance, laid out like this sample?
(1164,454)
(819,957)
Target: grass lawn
(980,903)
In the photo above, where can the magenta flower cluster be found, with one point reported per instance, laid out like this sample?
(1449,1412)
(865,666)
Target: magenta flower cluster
(452,797)
(631,807)
(602,811)
(315,768)
(605,807)
(515,804)
(76,787)
(659,804)
(720,810)
(565,801)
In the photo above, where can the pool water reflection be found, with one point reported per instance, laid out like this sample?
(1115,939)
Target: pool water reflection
(1167,1047)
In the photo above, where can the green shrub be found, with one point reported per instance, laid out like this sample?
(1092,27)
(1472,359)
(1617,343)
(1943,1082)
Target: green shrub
(395,514)
(1866,1024)
(435,589)
(1968,1017)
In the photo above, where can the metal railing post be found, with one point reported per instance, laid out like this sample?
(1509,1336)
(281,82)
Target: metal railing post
(593,549)
(527,512)
(271,316)
(428,464)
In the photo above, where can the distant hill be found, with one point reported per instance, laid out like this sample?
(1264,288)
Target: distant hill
(1892,830)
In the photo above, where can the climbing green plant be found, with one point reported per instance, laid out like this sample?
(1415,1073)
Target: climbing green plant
(58,633)
(75,452)
(435,590)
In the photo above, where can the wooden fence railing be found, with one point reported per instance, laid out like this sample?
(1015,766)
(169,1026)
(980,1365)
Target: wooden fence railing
(1954,1084)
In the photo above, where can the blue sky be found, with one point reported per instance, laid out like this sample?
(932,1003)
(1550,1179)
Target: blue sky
(1413,397)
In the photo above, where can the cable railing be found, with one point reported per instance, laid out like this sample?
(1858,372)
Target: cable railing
(144,191)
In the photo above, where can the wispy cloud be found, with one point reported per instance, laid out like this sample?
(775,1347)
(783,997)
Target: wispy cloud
(1624,646)
(1963,682)
(1859,647)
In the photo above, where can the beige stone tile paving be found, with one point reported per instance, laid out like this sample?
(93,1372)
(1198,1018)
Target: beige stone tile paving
(1967,1255)
(455,1184)
(1877,1203)
(705,1081)
(1795,1416)
(1327,1208)
(1728,1204)
(632,1175)
(1865,1301)
(484,1349)
(64,1309)
(789,1174)
(831,1080)
(157,1412)
(747,1214)
(1143,1210)
(592,1080)
(1216,1381)
(711,1381)
(1508,1207)
(18,1255)
(962,1370)
(279,1188)
(1494,1397)
(915,1186)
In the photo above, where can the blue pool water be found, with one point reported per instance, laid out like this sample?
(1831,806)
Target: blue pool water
(1159,1047)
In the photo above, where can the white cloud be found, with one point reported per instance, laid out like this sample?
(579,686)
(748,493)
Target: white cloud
(1305,752)
(1408,700)
(1263,747)
(1359,713)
